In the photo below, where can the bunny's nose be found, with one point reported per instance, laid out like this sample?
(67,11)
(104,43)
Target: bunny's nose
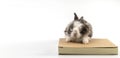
(75,33)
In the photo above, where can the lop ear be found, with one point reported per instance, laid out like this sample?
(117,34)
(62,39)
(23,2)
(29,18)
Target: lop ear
(75,16)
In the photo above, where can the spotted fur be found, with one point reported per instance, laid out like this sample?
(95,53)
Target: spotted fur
(79,30)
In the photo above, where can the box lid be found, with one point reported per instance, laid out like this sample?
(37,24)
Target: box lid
(95,42)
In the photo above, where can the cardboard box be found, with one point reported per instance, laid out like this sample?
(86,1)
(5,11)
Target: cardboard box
(95,46)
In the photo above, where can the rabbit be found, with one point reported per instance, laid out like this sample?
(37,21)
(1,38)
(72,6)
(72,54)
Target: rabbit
(79,30)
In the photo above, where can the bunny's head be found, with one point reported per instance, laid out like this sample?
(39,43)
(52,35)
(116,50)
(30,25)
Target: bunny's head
(77,28)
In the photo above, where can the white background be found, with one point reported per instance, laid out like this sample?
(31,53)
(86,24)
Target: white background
(32,28)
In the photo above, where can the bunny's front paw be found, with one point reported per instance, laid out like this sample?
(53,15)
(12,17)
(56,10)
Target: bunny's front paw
(86,40)
(68,39)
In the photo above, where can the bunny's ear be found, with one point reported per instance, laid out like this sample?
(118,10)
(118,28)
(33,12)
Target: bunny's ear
(82,20)
(75,16)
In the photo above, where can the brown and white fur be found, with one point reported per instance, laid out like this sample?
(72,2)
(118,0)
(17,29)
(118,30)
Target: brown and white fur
(78,30)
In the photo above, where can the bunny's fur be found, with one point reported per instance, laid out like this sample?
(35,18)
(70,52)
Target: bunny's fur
(79,30)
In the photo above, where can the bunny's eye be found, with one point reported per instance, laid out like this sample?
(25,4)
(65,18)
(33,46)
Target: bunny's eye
(83,30)
(71,30)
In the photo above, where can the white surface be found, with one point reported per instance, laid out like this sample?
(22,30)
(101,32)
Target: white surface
(32,28)
(38,49)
